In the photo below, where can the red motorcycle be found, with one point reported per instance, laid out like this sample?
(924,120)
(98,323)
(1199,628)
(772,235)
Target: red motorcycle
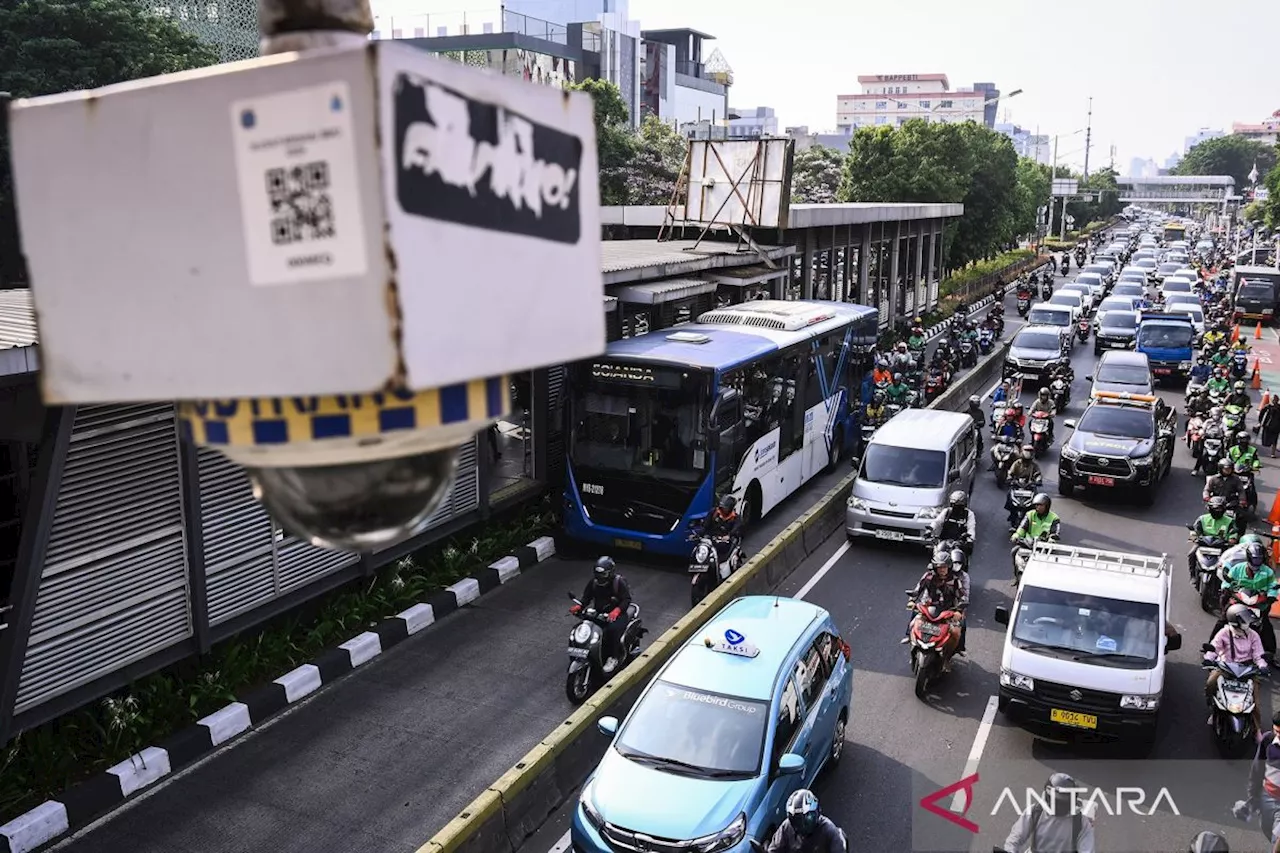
(935,634)
(934,385)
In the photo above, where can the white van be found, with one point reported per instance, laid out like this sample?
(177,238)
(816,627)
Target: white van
(1086,646)
(908,469)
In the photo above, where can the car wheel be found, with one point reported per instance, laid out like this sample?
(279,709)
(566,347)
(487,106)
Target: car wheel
(837,740)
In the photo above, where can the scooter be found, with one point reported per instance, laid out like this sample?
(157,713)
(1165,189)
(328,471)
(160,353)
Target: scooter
(1195,435)
(1239,364)
(1022,553)
(986,339)
(1060,391)
(588,669)
(1024,302)
(968,353)
(1204,570)
(934,385)
(1039,428)
(1082,330)
(1232,704)
(706,571)
(1003,450)
(934,635)
(1020,495)
(1210,448)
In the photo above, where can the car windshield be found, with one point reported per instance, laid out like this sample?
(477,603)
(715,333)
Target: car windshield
(1037,340)
(1123,374)
(1088,628)
(1070,298)
(1123,303)
(1256,290)
(1117,421)
(1166,269)
(1166,335)
(904,466)
(1120,320)
(1049,317)
(646,429)
(693,732)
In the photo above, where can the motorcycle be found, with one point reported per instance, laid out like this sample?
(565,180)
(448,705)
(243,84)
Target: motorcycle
(1204,569)
(1232,418)
(868,429)
(1060,392)
(934,384)
(706,571)
(1250,506)
(1194,386)
(1020,495)
(934,634)
(986,339)
(1046,290)
(588,669)
(968,354)
(1003,450)
(1024,302)
(1195,435)
(1082,330)
(1239,364)
(1022,553)
(1232,704)
(1039,427)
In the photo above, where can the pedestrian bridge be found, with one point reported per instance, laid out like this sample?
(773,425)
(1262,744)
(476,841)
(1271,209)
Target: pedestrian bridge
(1178,189)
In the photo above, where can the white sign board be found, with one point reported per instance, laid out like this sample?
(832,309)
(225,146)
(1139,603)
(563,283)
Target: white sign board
(1065,186)
(739,182)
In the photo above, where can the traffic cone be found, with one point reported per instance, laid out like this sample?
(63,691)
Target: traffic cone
(1266,398)
(1235,333)
(1256,380)
(1257,333)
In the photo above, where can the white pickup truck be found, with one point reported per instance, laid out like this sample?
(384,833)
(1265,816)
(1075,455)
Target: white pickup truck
(1086,644)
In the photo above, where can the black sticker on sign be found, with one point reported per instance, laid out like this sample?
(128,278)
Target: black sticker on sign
(478,164)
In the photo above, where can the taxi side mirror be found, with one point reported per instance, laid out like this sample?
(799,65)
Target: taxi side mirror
(790,764)
(607,726)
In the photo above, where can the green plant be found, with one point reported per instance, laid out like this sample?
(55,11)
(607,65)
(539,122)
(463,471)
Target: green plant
(43,761)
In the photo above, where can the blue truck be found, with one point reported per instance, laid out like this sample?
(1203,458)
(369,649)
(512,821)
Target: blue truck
(1168,342)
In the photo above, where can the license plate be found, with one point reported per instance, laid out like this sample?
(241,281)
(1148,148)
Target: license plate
(1162,371)
(697,570)
(1096,480)
(628,543)
(577,653)
(1235,686)
(1072,718)
(894,535)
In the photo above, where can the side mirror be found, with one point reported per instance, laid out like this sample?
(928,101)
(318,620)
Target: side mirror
(1069,423)
(1002,615)
(608,726)
(1088,379)
(790,764)
(1173,643)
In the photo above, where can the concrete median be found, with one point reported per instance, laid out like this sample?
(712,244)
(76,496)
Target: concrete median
(517,804)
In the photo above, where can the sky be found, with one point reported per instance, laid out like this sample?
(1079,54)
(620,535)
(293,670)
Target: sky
(1152,80)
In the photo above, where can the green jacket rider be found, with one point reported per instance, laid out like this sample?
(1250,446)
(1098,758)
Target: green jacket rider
(1221,358)
(916,342)
(1218,384)
(898,389)
(1244,451)
(1039,521)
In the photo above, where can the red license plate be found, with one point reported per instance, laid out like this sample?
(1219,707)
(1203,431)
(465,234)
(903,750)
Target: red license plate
(1163,370)
(1095,480)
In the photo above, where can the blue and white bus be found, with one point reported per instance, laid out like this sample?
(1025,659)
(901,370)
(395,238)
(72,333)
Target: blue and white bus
(752,400)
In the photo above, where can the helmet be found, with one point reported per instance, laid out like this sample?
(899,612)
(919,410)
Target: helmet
(1242,437)
(803,812)
(1017,406)
(878,397)
(1255,554)
(975,400)
(1222,348)
(1217,506)
(1065,361)
(902,346)
(1238,616)
(1043,394)
(942,558)
(1042,498)
(958,499)
(1224,465)
(1250,538)
(728,503)
(604,571)
(1028,452)
(1239,386)
(1208,842)
(897,377)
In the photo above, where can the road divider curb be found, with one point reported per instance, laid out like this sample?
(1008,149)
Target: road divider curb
(519,802)
(86,801)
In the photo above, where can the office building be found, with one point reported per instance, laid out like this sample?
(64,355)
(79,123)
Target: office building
(1266,131)
(1038,147)
(892,99)
(752,123)
(1204,134)
(679,86)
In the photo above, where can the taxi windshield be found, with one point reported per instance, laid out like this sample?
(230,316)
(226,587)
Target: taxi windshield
(695,733)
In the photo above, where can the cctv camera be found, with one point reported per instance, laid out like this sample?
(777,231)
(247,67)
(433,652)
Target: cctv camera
(359,219)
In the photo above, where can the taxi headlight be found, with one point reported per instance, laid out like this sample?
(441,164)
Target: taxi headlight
(726,838)
(589,808)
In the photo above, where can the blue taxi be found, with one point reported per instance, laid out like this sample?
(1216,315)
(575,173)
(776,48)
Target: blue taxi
(750,709)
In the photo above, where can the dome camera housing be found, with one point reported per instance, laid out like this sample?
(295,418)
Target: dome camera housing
(354,473)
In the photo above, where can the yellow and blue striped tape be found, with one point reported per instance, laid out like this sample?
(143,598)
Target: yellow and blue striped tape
(291,420)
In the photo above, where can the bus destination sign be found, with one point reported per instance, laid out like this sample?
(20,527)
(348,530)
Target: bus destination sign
(638,374)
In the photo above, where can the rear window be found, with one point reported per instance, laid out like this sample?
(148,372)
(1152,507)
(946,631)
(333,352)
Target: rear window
(1116,304)
(1145,263)
(1196,315)
(1123,289)
(1072,299)
(1177,286)
(1123,374)
(1049,317)
(1167,269)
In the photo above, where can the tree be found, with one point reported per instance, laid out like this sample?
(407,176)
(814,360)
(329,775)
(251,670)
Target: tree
(659,156)
(1228,155)
(1271,207)
(48,46)
(988,222)
(1031,192)
(615,144)
(815,176)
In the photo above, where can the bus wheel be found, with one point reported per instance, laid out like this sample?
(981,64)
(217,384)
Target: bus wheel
(750,505)
(837,450)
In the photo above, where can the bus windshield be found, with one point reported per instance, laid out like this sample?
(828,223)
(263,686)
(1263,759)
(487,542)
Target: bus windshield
(640,419)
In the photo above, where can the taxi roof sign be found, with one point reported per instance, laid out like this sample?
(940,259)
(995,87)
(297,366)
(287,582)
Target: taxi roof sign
(733,643)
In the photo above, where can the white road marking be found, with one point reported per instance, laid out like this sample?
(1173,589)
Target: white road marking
(563,843)
(822,572)
(958,803)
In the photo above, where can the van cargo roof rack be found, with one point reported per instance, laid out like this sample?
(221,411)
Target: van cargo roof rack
(1104,561)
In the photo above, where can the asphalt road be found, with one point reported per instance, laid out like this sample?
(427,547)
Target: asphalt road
(901,749)
(381,760)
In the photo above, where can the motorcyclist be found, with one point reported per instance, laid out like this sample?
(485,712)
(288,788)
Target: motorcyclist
(609,593)
(882,375)
(1039,522)
(1065,828)
(1263,794)
(1007,426)
(940,585)
(1221,356)
(1024,467)
(902,360)
(806,829)
(724,526)
(917,341)
(898,390)
(1198,404)
(944,351)
(1251,575)
(1218,385)
(1238,397)
(1237,643)
(1066,262)
(1240,345)
(1208,842)
(1201,371)
(1043,404)
(1244,451)
(876,413)
(1003,392)
(1214,524)
(979,417)
(957,522)
(1062,370)
(1017,415)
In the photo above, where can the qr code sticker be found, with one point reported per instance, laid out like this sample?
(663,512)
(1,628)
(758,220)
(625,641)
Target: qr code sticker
(301,208)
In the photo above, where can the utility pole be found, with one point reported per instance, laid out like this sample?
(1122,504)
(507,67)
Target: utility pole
(1088,134)
(1048,208)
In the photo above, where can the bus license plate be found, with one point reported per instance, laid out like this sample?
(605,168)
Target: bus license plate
(894,535)
(1071,718)
(628,543)
(1095,480)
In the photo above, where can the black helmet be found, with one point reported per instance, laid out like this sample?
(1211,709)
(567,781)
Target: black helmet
(975,400)
(604,571)
(1208,842)
(728,503)
(1255,554)
(1242,437)
(958,500)
(1217,506)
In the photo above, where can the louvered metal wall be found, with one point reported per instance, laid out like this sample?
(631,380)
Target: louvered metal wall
(114,589)
(557,389)
(464,496)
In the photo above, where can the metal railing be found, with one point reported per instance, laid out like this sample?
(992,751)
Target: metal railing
(442,24)
(514,22)
(690,68)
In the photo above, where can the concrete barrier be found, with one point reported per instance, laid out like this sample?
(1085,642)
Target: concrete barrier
(519,802)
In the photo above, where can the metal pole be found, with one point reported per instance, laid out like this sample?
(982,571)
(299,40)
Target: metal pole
(1048,208)
(1088,134)
(289,25)
(1064,219)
